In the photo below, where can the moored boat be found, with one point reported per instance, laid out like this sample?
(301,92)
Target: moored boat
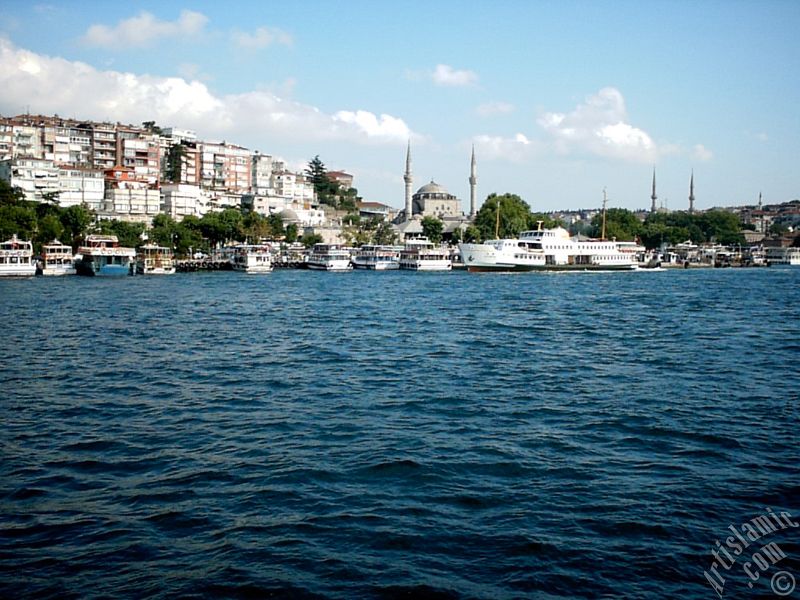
(377,258)
(101,255)
(420,254)
(16,258)
(57,259)
(548,250)
(152,259)
(252,258)
(329,257)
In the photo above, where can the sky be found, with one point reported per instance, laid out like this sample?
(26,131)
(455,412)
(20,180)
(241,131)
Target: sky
(560,100)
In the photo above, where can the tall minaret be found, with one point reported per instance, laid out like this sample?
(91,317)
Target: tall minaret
(409,180)
(760,205)
(473,181)
(653,196)
(691,193)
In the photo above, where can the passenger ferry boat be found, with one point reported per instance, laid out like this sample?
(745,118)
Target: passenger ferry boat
(420,254)
(783,256)
(57,259)
(155,260)
(16,258)
(252,258)
(377,258)
(329,257)
(103,256)
(548,250)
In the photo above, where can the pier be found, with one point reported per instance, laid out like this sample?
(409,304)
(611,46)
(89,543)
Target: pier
(189,265)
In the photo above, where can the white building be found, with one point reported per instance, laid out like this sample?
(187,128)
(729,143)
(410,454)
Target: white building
(181,200)
(80,186)
(35,176)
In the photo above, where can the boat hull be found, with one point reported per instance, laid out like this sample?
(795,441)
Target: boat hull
(23,270)
(93,269)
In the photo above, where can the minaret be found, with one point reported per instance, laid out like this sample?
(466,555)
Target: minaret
(653,196)
(760,205)
(409,180)
(473,180)
(691,194)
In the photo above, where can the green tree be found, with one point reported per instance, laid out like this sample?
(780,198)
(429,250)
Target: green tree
(175,162)
(50,228)
(129,234)
(151,127)
(432,228)
(10,195)
(290,237)
(385,234)
(472,234)
(621,224)
(17,219)
(276,228)
(514,217)
(76,221)
(310,239)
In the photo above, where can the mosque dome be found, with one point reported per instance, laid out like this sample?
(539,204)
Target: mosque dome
(432,188)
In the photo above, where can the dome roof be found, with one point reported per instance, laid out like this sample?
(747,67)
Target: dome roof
(287,214)
(432,188)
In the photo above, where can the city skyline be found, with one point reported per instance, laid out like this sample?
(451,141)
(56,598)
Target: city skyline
(558,100)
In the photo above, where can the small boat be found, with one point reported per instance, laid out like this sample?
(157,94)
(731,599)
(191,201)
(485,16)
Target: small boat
(57,259)
(252,258)
(16,258)
(329,257)
(103,256)
(420,254)
(155,260)
(377,258)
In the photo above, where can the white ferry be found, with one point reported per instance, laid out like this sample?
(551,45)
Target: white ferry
(155,260)
(420,254)
(377,258)
(783,256)
(103,256)
(16,258)
(329,257)
(57,259)
(548,250)
(252,258)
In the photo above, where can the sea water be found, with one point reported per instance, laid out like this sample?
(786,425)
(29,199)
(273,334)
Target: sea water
(362,435)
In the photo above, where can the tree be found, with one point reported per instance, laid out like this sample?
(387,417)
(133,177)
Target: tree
(175,162)
(152,127)
(310,239)
(50,228)
(515,216)
(290,235)
(621,224)
(10,195)
(472,234)
(385,234)
(432,229)
(17,219)
(129,234)
(76,220)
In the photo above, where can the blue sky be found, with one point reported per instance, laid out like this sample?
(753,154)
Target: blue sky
(560,99)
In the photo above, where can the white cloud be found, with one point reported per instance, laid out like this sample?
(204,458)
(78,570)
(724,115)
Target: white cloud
(514,149)
(261,38)
(144,28)
(448,76)
(494,108)
(56,86)
(600,126)
(702,153)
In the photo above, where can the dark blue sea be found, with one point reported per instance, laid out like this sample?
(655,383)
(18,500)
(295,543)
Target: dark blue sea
(400,435)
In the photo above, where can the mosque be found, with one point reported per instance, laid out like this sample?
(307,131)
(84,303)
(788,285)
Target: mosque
(433,200)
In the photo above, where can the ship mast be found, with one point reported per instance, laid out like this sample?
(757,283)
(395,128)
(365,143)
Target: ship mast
(497,221)
(605,199)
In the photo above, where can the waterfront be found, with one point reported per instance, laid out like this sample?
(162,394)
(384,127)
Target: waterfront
(374,435)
